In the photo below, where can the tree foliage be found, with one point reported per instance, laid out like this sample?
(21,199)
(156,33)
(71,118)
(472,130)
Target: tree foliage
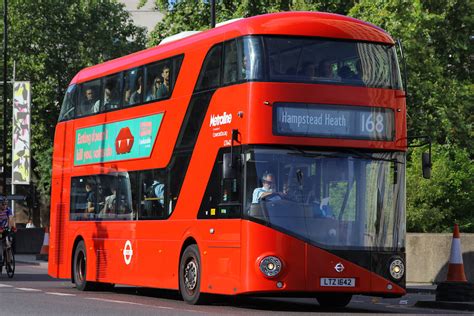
(50,42)
(434,205)
(436,37)
(188,15)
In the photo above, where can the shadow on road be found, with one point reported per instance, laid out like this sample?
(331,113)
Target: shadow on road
(243,302)
(28,277)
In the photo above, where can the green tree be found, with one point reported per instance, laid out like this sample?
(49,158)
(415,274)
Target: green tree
(50,42)
(436,37)
(187,15)
(434,205)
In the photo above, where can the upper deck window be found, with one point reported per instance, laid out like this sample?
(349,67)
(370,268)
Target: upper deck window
(133,87)
(331,61)
(89,101)
(69,104)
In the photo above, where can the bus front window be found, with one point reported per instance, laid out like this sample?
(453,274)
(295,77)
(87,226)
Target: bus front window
(332,199)
(316,60)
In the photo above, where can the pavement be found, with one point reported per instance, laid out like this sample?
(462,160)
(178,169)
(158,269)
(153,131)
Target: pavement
(426,288)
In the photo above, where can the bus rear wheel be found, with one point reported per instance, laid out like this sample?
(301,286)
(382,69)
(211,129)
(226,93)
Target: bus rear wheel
(334,299)
(80,268)
(190,275)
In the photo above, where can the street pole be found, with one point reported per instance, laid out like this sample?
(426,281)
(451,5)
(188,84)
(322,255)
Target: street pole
(5,89)
(213,14)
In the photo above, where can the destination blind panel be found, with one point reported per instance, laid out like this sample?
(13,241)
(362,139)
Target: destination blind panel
(333,121)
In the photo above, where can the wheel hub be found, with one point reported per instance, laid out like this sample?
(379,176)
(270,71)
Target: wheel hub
(190,275)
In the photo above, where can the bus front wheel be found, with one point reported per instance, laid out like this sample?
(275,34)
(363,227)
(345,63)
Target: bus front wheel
(80,268)
(190,275)
(334,299)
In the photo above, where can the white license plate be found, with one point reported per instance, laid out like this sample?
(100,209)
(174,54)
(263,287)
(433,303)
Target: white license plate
(340,282)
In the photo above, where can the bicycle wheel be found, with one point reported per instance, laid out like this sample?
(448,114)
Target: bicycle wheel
(10,262)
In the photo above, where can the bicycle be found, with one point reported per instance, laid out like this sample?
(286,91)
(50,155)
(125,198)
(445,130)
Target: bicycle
(8,256)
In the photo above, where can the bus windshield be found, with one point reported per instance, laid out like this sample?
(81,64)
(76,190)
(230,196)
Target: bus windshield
(318,60)
(334,200)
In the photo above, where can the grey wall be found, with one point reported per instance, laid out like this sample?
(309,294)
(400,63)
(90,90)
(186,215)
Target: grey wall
(428,256)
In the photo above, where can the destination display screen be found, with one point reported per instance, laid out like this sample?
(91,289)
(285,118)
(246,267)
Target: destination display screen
(333,121)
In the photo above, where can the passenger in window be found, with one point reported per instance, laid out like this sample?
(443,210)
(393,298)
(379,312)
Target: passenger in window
(307,70)
(154,199)
(164,88)
(325,70)
(91,199)
(345,72)
(265,190)
(152,95)
(136,96)
(88,105)
(358,75)
(109,100)
(109,205)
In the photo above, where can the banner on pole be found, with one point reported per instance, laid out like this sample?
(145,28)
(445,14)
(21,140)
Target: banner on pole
(21,167)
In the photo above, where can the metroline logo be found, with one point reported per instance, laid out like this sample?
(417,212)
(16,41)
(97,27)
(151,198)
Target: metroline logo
(218,120)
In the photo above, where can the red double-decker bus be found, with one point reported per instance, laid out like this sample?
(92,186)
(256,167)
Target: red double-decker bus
(262,157)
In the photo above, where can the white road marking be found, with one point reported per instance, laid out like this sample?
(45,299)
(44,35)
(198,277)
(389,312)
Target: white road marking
(356,301)
(27,289)
(5,285)
(133,303)
(60,294)
(113,301)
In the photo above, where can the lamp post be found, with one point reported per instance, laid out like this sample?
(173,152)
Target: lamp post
(5,90)
(213,14)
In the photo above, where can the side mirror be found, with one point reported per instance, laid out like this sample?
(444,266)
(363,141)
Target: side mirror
(229,166)
(426,165)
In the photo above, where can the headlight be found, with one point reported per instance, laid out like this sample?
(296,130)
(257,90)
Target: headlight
(270,266)
(397,269)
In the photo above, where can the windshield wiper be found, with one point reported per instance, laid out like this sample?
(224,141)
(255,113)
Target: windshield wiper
(362,155)
(303,153)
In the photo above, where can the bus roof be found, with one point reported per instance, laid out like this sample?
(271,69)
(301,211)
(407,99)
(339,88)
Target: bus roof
(315,24)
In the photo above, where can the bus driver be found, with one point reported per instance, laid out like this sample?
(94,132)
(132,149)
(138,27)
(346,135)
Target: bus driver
(266,189)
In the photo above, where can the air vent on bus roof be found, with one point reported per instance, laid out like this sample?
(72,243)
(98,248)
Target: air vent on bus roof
(178,36)
(228,22)
(184,34)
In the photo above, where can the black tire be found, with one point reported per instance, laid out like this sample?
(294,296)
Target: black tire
(9,262)
(334,299)
(190,276)
(79,265)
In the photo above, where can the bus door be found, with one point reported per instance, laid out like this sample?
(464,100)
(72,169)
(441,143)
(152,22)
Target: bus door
(220,216)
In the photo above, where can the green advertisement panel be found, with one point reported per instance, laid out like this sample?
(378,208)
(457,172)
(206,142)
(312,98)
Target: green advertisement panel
(122,140)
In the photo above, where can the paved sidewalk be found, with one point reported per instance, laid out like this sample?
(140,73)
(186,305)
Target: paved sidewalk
(30,259)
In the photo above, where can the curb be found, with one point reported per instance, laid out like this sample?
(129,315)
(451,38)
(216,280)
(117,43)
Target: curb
(34,263)
(421,290)
(463,306)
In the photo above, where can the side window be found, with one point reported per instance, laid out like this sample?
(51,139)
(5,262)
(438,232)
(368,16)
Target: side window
(211,70)
(153,201)
(102,197)
(84,202)
(69,104)
(133,87)
(158,83)
(230,62)
(111,93)
(89,98)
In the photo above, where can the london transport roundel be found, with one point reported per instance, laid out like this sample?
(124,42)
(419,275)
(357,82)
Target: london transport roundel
(127,252)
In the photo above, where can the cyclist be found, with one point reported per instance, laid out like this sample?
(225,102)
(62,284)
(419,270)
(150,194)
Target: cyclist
(6,221)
